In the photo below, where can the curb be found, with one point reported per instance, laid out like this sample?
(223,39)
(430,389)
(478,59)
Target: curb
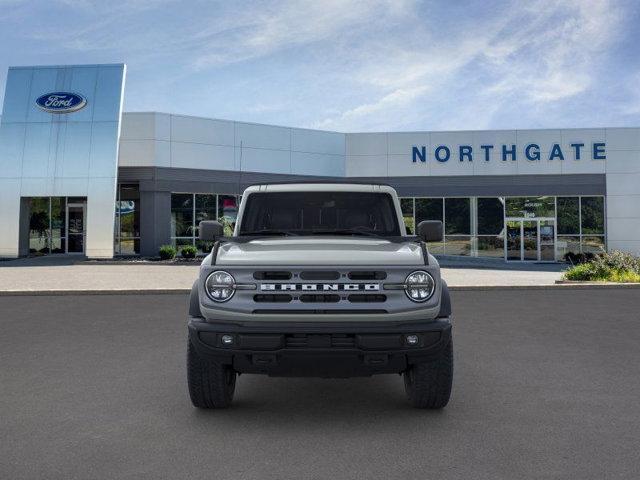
(559,285)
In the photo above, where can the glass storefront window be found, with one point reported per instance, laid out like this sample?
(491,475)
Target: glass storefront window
(205,210)
(490,246)
(227,212)
(407,214)
(457,216)
(39,225)
(436,248)
(490,216)
(592,214)
(457,245)
(530,207)
(429,209)
(48,229)
(189,209)
(182,215)
(593,244)
(579,225)
(567,244)
(127,225)
(568,215)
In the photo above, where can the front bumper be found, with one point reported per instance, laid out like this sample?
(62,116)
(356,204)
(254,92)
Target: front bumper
(301,349)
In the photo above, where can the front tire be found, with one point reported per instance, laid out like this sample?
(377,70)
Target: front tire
(211,384)
(428,384)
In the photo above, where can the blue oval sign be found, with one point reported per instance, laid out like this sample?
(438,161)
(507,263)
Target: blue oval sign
(61,102)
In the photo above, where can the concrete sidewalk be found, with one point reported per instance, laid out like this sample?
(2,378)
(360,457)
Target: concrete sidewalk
(70,275)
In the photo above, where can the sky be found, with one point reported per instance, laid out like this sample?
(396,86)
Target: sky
(351,65)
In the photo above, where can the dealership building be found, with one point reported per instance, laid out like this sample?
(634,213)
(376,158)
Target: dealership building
(80,176)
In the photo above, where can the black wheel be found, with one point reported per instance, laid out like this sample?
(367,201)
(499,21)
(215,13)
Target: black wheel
(211,384)
(428,384)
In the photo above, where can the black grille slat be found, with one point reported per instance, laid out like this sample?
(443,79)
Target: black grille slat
(367,275)
(320,275)
(272,298)
(272,275)
(366,298)
(319,298)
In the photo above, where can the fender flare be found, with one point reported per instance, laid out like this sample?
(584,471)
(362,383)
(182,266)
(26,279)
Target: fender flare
(194,301)
(445,301)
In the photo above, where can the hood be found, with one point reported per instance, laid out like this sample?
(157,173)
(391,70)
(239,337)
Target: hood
(320,251)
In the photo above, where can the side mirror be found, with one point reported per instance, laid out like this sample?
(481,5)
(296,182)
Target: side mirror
(210,230)
(430,230)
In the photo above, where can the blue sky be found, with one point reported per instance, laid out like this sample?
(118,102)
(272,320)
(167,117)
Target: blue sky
(370,65)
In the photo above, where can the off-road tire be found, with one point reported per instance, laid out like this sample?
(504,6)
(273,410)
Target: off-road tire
(211,384)
(428,384)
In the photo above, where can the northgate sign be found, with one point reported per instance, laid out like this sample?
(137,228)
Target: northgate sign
(531,152)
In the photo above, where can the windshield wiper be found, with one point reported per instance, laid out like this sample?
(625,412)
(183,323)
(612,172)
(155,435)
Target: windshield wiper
(347,231)
(269,231)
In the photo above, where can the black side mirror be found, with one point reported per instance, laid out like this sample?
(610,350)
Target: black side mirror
(430,230)
(210,230)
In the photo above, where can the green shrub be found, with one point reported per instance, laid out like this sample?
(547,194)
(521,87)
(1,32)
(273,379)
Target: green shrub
(188,251)
(617,260)
(167,252)
(582,271)
(607,267)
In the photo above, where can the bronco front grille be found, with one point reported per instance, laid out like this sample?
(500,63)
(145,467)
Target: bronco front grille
(329,291)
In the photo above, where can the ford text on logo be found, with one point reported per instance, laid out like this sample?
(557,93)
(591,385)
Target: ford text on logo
(61,102)
(531,152)
(314,287)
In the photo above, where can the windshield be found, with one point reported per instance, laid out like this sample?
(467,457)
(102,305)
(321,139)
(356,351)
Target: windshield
(320,213)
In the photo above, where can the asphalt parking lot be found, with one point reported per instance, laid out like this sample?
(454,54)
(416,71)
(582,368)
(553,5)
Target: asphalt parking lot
(546,385)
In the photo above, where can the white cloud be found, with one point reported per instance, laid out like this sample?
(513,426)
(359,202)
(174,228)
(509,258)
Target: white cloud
(348,64)
(537,54)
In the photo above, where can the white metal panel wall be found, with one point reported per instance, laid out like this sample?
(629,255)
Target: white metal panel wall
(623,189)
(163,140)
(73,154)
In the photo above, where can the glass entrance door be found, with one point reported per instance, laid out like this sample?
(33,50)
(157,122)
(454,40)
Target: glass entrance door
(75,227)
(530,240)
(547,237)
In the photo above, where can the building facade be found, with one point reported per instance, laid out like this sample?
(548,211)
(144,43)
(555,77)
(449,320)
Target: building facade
(69,184)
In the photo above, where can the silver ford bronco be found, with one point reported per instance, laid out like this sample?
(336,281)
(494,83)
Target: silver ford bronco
(320,280)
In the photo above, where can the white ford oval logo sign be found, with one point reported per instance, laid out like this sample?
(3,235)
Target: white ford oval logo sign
(61,102)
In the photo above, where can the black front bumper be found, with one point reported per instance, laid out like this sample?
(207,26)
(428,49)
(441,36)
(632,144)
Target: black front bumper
(320,349)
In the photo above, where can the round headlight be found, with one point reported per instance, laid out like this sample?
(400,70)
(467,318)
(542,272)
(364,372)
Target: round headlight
(419,286)
(220,286)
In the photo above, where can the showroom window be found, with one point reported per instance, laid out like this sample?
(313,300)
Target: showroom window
(57,225)
(47,232)
(457,226)
(592,220)
(568,225)
(475,225)
(407,205)
(490,241)
(581,223)
(127,226)
(189,209)
(530,207)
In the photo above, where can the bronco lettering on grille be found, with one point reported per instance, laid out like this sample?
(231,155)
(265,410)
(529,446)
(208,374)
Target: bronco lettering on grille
(322,287)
